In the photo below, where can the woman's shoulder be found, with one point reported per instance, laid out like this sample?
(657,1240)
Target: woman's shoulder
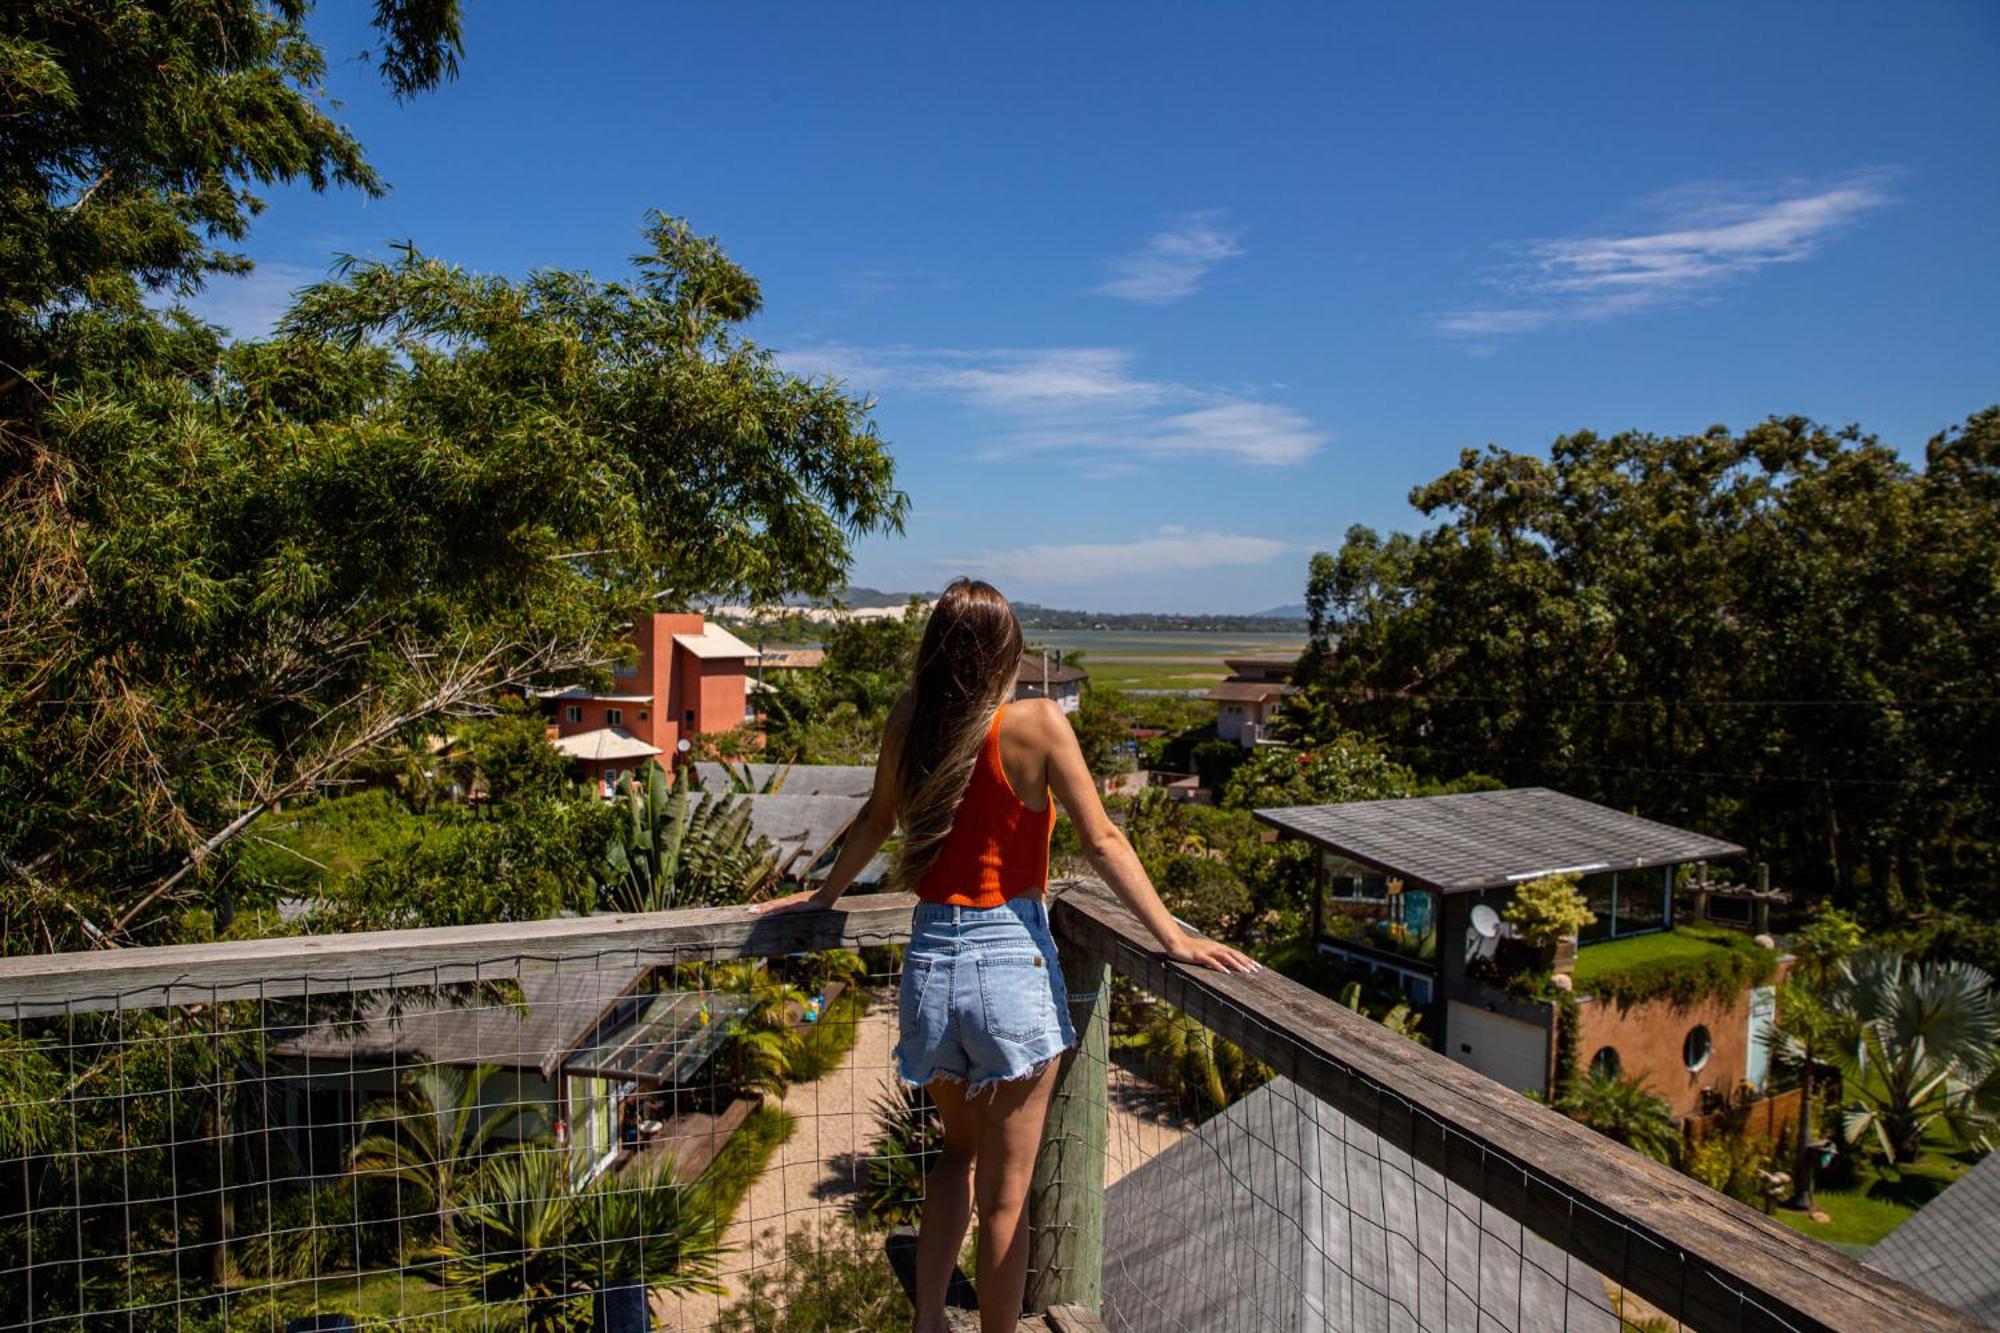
(1033,719)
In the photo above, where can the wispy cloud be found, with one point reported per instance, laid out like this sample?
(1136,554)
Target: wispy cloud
(1167,550)
(250,306)
(1092,403)
(1170,266)
(1690,242)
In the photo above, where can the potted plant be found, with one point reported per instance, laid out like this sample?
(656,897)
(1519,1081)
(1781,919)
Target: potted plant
(1546,914)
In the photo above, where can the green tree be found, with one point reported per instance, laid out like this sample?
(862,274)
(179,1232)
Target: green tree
(1101,729)
(1777,634)
(239,572)
(435,1137)
(1807,1026)
(1622,1110)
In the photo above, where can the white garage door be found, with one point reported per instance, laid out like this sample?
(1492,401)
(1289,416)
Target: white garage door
(1506,1050)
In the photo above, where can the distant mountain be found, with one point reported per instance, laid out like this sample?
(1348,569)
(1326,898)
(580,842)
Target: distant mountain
(860,598)
(1295,611)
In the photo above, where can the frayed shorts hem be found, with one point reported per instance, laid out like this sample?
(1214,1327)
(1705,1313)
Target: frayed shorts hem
(973,1089)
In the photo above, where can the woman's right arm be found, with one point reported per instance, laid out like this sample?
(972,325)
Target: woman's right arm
(1110,854)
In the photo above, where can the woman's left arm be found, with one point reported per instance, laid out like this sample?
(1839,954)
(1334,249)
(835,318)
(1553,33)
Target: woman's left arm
(870,830)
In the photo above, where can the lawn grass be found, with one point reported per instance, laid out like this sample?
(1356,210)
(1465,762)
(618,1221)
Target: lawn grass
(1166,674)
(1881,1199)
(742,1159)
(1594,961)
(1682,966)
(828,1040)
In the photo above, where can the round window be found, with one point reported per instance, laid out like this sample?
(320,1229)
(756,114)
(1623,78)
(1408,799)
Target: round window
(1695,1050)
(1606,1062)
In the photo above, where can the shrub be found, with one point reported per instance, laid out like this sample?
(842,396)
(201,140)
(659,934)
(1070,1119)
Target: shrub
(1548,910)
(833,1277)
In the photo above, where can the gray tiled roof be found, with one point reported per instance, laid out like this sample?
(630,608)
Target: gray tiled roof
(1951,1248)
(559,1009)
(1490,839)
(801,780)
(1280,1213)
(801,827)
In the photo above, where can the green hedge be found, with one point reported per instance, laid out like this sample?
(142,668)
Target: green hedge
(1675,966)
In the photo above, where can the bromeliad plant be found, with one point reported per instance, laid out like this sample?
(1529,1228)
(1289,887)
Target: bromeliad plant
(908,1136)
(668,850)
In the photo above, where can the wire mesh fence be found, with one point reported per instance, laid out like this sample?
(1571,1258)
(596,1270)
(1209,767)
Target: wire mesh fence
(686,1138)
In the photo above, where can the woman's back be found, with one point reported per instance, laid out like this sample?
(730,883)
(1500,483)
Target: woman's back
(998,847)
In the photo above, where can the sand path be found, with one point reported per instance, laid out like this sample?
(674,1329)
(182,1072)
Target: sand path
(817,1174)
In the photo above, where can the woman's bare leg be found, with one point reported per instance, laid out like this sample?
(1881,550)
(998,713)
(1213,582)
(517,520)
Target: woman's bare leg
(947,1205)
(1010,1135)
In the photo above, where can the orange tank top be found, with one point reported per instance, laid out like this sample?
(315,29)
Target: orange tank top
(998,848)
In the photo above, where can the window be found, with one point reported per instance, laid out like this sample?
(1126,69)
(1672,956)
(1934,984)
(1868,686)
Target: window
(1697,1048)
(573,713)
(1599,891)
(613,716)
(1642,900)
(689,714)
(1607,1063)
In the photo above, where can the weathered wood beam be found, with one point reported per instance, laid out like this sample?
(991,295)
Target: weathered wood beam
(1066,1194)
(1697,1255)
(40,985)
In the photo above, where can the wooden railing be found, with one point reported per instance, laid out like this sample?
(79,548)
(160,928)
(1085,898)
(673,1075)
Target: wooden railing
(1694,1255)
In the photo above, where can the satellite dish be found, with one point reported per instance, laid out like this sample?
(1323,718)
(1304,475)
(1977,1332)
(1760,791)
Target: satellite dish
(684,746)
(1486,921)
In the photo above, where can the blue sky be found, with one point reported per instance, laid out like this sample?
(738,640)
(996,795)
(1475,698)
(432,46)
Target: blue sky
(1156,300)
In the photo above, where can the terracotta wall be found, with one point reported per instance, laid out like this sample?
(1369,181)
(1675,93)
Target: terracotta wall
(723,689)
(1649,1038)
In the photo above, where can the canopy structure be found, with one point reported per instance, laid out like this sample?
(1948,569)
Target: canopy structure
(1471,841)
(606,745)
(672,1035)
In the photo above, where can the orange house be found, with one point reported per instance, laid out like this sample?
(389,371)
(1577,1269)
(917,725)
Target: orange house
(690,679)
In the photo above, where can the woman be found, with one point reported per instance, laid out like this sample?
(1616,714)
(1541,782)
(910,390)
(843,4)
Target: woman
(983,1009)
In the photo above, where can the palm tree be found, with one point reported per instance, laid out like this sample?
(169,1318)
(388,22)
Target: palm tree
(667,851)
(439,1134)
(1806,1027)
(1918,1048)
(530,1238)
(1622,1110)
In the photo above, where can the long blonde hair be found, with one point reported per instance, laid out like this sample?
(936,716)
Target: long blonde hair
(965,669)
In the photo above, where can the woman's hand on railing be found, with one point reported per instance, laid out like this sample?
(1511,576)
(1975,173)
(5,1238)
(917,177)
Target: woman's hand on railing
(803,900)
(1211,953)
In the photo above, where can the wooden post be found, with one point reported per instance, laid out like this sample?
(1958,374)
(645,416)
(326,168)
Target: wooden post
(1066,1198)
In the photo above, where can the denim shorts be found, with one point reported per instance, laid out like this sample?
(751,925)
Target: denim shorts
(982,997)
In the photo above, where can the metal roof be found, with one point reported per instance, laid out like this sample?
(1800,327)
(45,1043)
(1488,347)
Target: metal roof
(715,641)
(1280,1213)
(558,1009)
(1492,839)
(1951,1248)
